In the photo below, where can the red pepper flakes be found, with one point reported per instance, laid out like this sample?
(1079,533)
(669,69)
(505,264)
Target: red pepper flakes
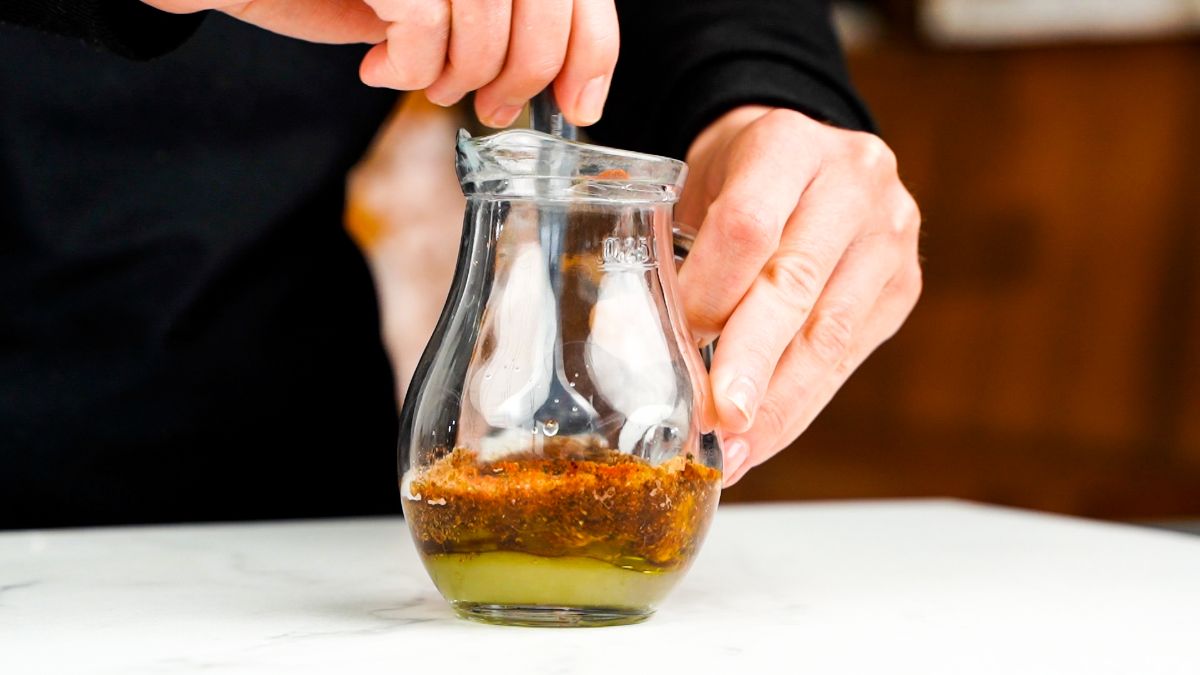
(613,174)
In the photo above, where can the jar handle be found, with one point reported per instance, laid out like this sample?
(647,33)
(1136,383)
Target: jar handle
(682,237)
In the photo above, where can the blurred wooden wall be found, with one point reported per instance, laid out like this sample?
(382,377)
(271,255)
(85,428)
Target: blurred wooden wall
(1054,360)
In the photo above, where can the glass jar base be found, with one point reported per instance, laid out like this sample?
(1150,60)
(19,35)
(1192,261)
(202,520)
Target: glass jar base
(549,616)
(513,579)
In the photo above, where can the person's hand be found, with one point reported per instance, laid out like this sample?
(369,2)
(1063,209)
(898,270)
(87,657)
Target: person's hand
(504,50)
(805,262)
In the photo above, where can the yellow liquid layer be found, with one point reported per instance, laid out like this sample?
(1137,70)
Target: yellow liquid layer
(508,578)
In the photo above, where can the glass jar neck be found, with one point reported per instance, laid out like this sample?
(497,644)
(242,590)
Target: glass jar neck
(522,164)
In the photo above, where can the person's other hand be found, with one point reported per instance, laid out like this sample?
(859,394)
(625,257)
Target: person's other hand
(805,262)
(504,50)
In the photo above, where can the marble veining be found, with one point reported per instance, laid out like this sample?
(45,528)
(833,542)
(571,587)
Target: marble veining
(853,587)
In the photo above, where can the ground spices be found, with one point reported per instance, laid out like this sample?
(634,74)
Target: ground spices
(564,500)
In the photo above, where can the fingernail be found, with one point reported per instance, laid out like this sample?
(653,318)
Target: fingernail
(504,115)
(742,394)
(590,104)
(442,98)
(736,452)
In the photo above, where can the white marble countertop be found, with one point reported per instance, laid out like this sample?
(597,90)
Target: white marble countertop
(857,587)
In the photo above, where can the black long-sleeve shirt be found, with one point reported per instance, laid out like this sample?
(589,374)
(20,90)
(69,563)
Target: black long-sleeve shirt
(186,332)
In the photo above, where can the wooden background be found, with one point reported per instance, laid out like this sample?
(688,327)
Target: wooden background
(1054,359)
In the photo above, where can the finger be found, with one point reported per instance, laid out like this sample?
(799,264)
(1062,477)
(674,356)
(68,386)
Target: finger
(803,404)
(733,465)
(327,21)
(733,475)
(760,188)
(838,321)
(781,299)
(762,444)
(537,48)
(582,86)
(478,42)
(414,53)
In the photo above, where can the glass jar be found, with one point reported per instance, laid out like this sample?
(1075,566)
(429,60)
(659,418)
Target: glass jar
(553,462)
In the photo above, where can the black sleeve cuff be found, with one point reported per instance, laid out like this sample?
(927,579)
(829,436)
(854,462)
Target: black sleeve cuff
(128,28)
(706,94)
(684,63)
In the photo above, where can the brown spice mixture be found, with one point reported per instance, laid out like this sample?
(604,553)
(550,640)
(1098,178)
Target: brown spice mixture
(605,505)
